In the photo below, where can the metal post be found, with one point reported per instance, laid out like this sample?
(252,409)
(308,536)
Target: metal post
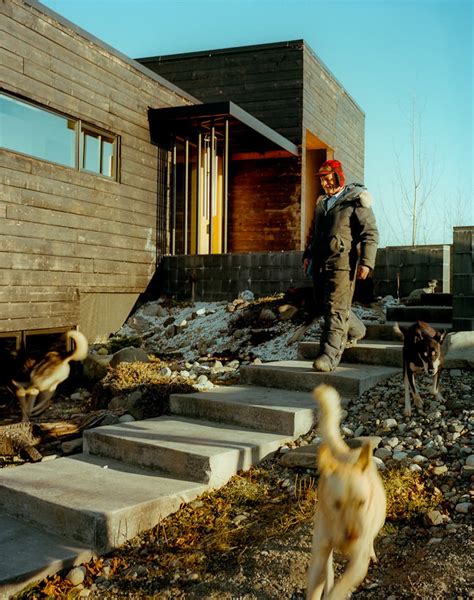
(186,194)
(226,186)
(199,195)
(212,186)
(173,216)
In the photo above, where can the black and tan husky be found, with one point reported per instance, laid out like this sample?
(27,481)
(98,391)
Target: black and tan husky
(421,352)
(35,392)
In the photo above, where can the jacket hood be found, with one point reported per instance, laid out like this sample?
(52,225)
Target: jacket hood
(357,191)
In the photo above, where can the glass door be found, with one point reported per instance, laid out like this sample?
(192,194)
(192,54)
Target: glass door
(198,195)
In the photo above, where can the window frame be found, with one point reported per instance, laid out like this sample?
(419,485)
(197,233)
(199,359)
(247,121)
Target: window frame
(81,128)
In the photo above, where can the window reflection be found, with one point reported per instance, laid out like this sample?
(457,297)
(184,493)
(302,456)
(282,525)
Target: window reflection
(43,134)
(107,158)
(37,132)
(91,152)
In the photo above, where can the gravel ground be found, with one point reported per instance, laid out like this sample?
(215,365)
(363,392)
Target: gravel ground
(424,554)
(429,555)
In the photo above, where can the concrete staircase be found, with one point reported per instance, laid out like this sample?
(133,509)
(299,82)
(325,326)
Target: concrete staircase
(59,513)
(432,308)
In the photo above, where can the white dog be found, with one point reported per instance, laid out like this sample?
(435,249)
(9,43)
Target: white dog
(351,506)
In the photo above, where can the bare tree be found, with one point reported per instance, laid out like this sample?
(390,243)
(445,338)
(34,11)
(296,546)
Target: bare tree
(456,211)
(416,179)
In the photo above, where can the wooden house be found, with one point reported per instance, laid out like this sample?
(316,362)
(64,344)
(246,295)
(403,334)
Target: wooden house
(108,163)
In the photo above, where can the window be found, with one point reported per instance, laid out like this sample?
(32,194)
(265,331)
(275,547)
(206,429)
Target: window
(97,152)
(44,134)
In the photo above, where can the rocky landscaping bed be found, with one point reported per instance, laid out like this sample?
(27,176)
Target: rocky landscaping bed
(252,538)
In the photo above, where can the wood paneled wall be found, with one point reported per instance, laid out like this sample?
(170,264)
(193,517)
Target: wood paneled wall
(65,232)
(330,114)
(265,80)
(264,210)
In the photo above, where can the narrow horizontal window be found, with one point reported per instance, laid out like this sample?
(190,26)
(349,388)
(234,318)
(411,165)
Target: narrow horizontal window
(41,133)
(31,130)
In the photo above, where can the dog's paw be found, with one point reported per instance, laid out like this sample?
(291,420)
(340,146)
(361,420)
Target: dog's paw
(418,401)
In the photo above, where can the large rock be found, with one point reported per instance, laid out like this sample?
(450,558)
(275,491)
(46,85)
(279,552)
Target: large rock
(458,350)
(95,365)
(130,354)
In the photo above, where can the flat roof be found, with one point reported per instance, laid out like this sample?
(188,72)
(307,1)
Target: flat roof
(247,133)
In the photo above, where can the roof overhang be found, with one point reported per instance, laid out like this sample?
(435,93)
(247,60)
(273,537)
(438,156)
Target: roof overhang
(246,133)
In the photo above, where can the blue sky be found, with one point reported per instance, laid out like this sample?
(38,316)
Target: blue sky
(390,55)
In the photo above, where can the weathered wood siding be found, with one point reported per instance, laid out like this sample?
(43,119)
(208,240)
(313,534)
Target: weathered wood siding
(331,115)
(264,205)
(64,233)
(265,80)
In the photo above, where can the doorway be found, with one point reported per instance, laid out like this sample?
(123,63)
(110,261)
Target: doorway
(198,195)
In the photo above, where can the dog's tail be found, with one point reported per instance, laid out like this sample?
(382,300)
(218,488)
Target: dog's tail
(81,346)
(399,331)
(330,418)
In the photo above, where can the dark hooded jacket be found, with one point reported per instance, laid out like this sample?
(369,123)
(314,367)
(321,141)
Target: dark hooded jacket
(344,233)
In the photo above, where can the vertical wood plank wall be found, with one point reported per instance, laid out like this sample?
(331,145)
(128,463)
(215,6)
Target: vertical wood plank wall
(65,233)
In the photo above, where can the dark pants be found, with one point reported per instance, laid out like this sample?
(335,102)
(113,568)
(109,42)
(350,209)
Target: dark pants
(333,292)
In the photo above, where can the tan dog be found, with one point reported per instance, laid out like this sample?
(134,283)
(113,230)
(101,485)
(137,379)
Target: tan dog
(351,506)
(46,375)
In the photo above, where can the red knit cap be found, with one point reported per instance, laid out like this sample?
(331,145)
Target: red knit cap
(332,166)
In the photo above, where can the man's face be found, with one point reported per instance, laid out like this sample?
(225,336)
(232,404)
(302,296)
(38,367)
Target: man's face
(330,184)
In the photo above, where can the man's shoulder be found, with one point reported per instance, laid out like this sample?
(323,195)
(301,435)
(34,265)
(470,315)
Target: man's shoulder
(359,193)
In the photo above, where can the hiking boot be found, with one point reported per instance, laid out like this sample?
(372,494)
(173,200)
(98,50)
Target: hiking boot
(352,341)
(323,363)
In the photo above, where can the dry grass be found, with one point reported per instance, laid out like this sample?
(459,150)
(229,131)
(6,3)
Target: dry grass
(220,525)
(409,495)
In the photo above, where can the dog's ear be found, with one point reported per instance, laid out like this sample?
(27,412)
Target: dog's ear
(419,337)
(365,457)
(326,461)
(440,335)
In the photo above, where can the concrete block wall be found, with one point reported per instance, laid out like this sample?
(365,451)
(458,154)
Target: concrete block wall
(223,276)
(463,278)
(401,269)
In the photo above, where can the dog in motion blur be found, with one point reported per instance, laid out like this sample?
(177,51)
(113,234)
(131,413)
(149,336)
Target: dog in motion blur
(351,506)
(299,299)
(38,380)
(421,352)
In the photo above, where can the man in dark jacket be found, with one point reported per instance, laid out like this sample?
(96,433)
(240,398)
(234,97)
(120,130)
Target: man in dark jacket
(343,248)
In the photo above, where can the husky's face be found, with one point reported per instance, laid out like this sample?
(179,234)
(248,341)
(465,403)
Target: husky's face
(429,351)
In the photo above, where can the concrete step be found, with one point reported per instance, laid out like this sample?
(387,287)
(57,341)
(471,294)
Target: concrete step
(28,554)
(96,502)
(201,451)
(440,314)
(386,353)
(377,331)
(260,408)
(437,299)
(349,380)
